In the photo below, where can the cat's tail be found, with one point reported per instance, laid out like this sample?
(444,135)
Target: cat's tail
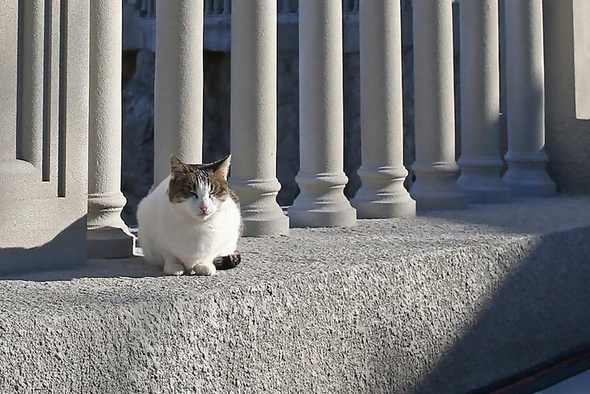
(227,262)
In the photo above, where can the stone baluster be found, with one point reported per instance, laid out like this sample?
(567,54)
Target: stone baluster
(254,116)
(178,97)
(321,178)
(382,171)
(435,167)
(480,161)
(227,7)
(108,236)
(30,124)
(525,95)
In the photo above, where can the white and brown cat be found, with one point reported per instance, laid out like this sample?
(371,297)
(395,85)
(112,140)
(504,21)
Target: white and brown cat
(191,222)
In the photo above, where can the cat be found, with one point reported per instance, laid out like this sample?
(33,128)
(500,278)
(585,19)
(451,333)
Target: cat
(191,223)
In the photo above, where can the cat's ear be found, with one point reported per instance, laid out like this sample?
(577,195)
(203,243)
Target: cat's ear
(223,166)
(178,167)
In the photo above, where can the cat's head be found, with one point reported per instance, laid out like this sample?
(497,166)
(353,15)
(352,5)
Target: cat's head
(199,189)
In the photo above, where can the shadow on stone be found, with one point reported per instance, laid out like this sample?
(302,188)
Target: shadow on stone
(535,315)
(62,259)
(133,267)
(62,252)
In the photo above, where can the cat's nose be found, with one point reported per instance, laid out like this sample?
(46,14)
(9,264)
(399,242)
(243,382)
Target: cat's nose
(203,209)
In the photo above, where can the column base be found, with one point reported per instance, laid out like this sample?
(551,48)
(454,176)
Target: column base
(110,243)
(436,187)
(322,215)
(481,182)
(261,225)
(383,195)
(261,215)
(531,187)
(321,202)
(527,177)
(383,209)
(108,236)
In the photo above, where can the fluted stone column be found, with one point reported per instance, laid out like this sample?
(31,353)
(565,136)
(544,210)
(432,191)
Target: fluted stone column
(382,171)
(254,116)
(321,178)
(178,90)
(480,161)
(435,167)
(8,83)
(108,236)
(526,158)
(30,137)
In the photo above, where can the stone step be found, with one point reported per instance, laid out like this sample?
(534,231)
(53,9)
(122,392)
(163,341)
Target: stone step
(447,302)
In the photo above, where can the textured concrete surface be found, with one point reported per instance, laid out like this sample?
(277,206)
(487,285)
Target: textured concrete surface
(444,303)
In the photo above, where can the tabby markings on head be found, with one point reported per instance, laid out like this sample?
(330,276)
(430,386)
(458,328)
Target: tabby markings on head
(207,183)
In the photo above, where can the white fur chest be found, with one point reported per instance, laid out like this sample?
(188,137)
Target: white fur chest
(203,240)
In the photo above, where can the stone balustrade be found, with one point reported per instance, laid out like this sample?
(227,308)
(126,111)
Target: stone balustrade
(179,102)
(321,202)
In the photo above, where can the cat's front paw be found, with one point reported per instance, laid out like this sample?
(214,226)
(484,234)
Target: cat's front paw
(173,268)
(205,269)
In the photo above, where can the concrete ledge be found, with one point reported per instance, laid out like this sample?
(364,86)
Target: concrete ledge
(445,303)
